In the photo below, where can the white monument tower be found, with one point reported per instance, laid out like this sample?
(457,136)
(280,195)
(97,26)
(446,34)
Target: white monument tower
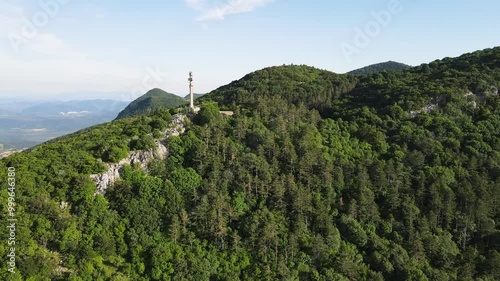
(191,95)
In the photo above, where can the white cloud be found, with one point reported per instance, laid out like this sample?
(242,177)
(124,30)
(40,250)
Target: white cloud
(219,10)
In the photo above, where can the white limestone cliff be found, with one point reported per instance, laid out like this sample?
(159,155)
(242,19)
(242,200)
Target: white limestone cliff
(142,157)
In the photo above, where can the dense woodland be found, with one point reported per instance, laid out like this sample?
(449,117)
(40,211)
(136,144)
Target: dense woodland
(317,176)
(151,101)
(379,67)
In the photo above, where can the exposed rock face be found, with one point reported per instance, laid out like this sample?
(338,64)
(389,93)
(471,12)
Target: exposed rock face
(426,109)
(63,205)
(177,127)
(141,157)
(468,94)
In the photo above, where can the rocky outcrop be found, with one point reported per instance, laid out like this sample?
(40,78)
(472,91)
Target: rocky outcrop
(141,157)
(177,127)
(469,94)
(426,109)
(63,205)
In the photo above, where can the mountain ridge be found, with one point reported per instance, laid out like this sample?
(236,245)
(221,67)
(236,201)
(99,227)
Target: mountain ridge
(196,95)
(378,67)
(152,100)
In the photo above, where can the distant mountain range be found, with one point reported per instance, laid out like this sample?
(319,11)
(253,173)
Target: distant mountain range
(383,66)
(151,101)
(27,123)
(98,107)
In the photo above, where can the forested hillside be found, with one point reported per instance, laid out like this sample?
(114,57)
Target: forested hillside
(151,101)
(195,95)
(378,67)
(317,176)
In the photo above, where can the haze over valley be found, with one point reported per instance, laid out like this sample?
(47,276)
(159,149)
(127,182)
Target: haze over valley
(25,123)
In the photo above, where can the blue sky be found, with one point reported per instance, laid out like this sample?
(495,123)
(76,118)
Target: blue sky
(73,49)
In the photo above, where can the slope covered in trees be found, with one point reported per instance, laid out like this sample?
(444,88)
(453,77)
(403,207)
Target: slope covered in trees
(317,176)
(195,96)
(378,67)
(151,101)
(294,83)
